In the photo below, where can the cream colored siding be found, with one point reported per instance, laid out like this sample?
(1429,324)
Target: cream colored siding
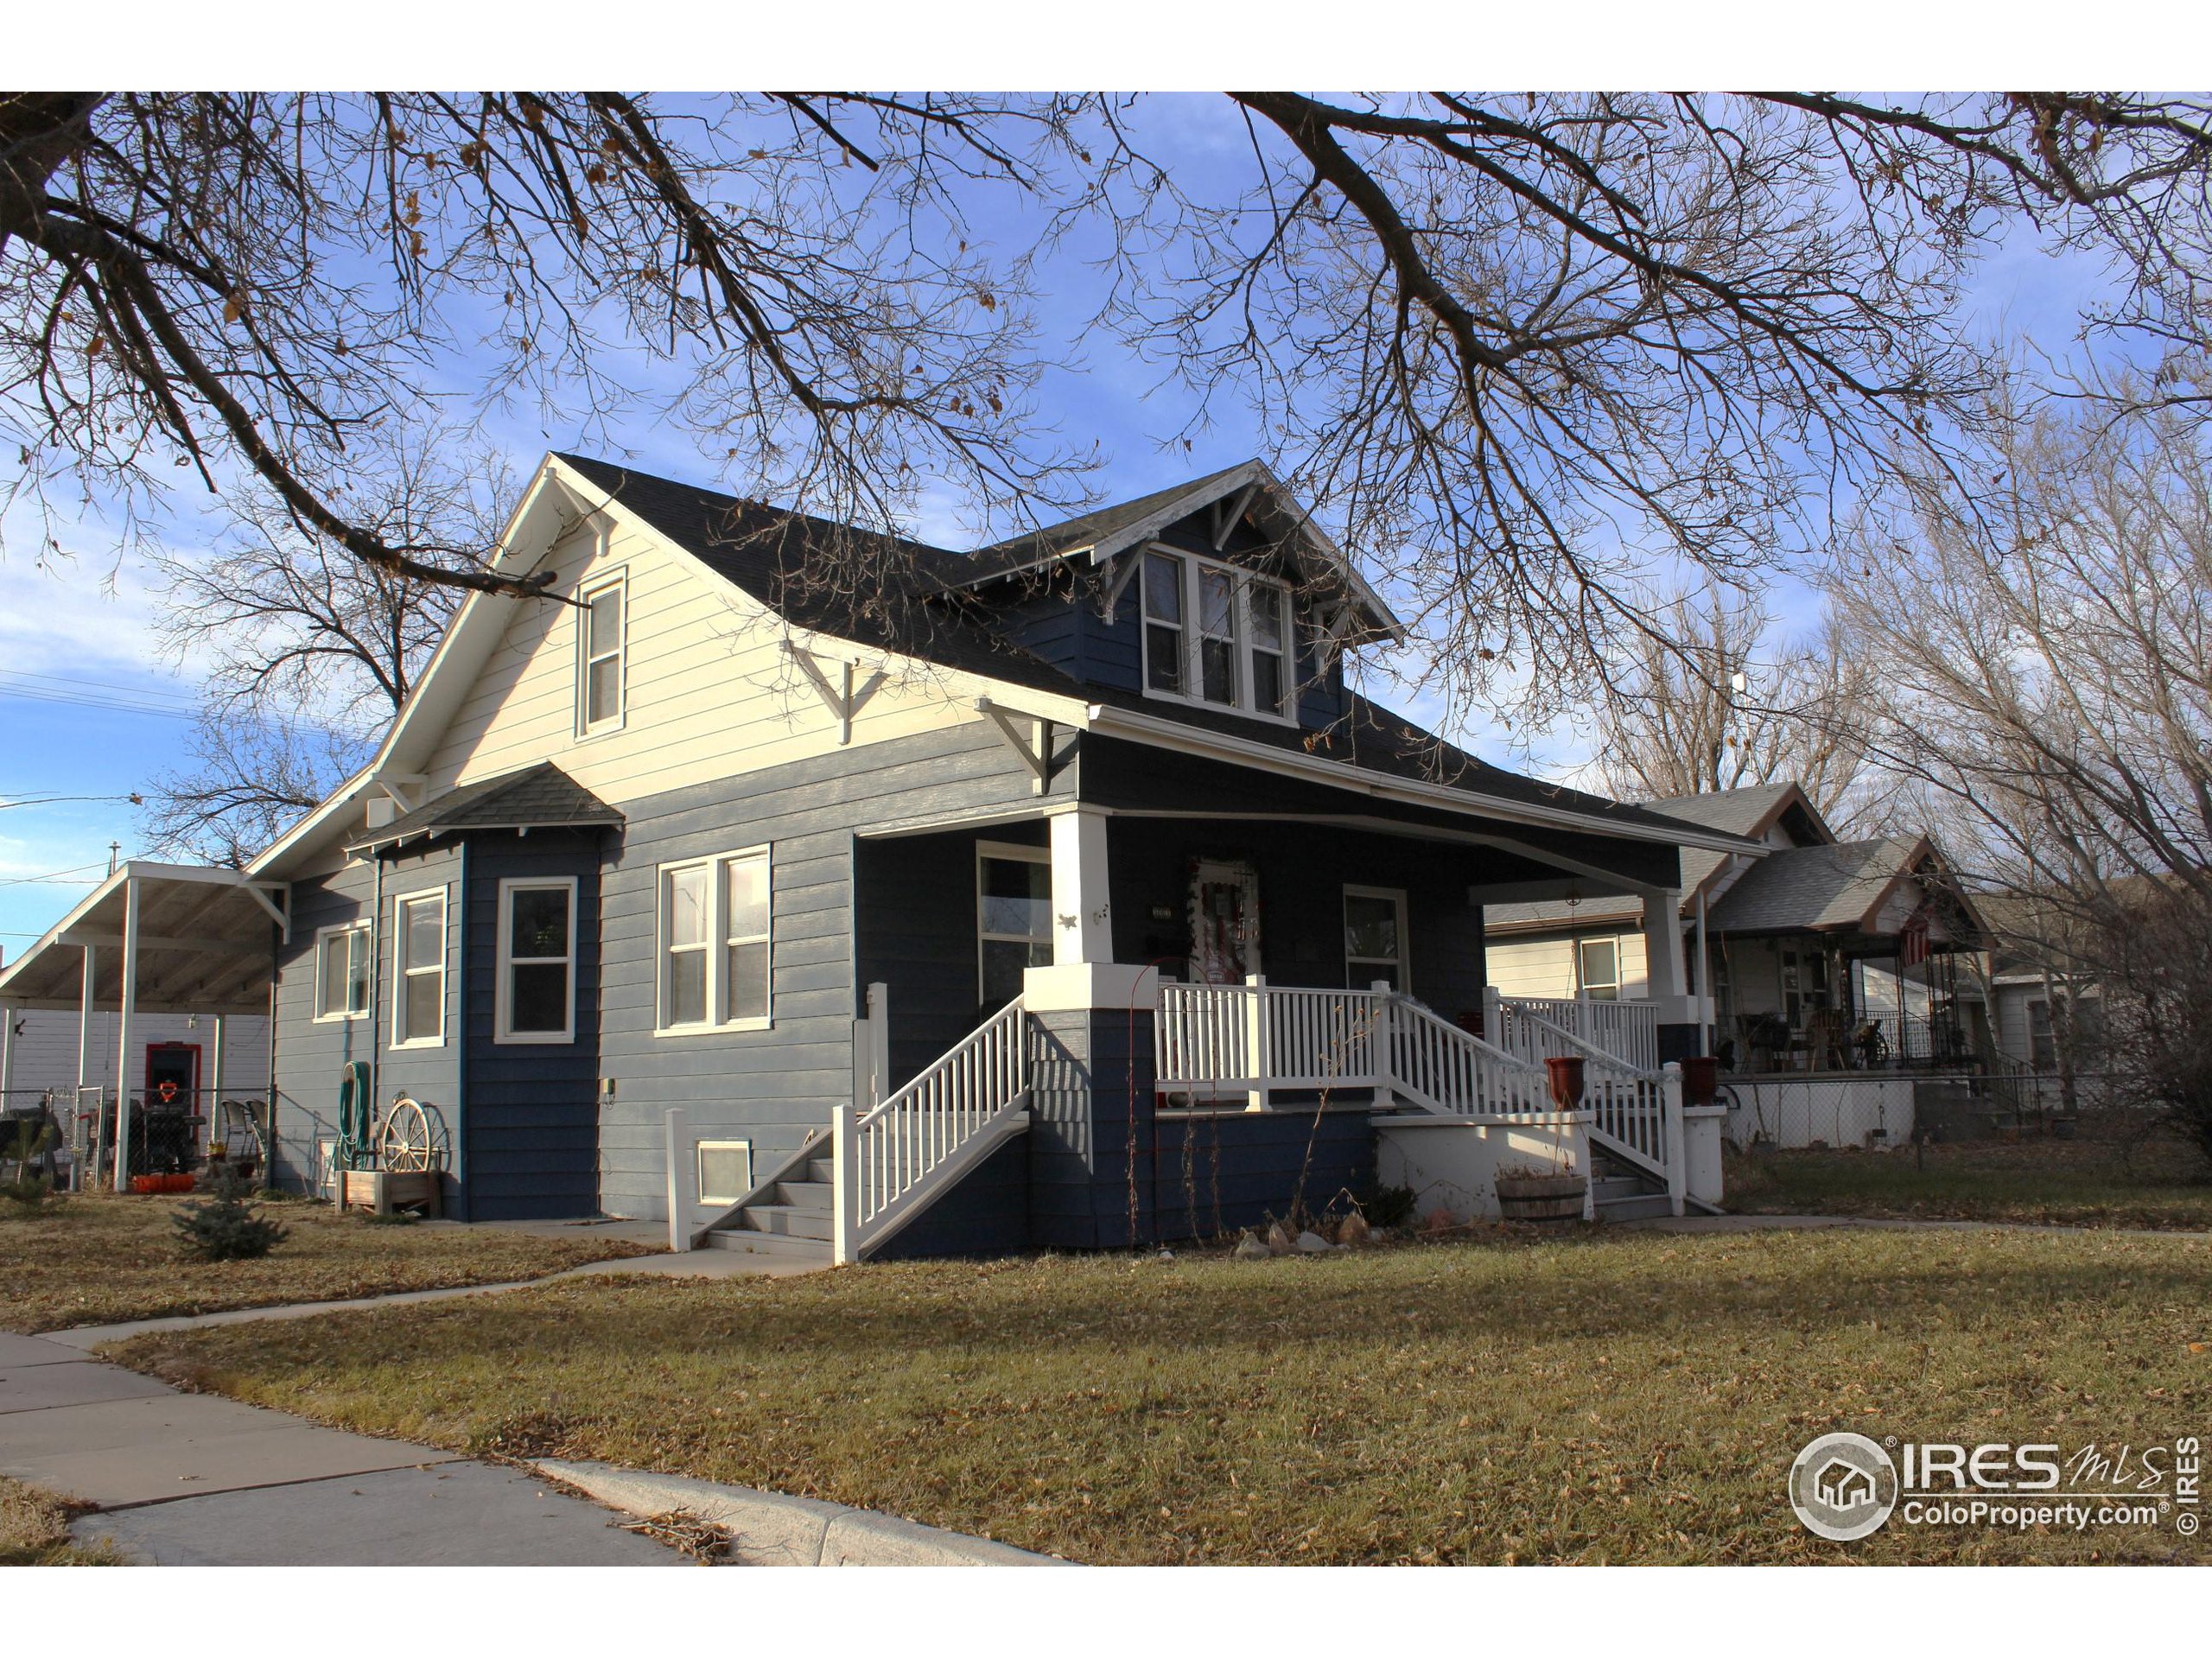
(1545,967)
(708,692)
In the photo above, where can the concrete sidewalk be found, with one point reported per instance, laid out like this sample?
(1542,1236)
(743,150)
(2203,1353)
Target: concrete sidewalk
(191,1479)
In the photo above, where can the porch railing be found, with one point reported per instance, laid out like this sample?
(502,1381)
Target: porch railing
(893,1159)
(1625,1031)
(1246,1039)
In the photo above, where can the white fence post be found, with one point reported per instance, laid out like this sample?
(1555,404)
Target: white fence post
(679,1181)
(1383,1047)
(1670,1089)
(845,1188)
(1255,1040)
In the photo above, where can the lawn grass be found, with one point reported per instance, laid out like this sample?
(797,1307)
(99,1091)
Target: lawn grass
(101,1258)
(1611,1396)
(35,1530)
(2094,1182)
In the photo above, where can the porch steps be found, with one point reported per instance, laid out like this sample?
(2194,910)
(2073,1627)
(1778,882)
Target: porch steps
(1619,1193)
(792,1219)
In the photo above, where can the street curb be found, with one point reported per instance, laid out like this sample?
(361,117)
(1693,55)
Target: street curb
(769,1529)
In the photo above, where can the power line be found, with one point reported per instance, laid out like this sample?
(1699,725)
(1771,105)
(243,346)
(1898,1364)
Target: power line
(58,876)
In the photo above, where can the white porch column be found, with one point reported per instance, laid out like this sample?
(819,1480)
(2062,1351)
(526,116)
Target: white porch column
(6,1049)
(213,1110)
(129,1004)
(1082,923)
(79,1176)
(1663,944)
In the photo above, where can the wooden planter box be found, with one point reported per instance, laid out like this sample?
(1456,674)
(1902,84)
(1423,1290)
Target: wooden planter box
(382,1191)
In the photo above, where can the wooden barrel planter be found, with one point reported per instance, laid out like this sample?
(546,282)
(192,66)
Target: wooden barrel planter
(1541,1197)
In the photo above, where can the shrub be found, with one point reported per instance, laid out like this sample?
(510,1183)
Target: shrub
(31,1191)
(224,1227)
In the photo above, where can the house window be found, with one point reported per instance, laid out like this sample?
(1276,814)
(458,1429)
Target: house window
(598,671)
(715,950)
(1163,623)
(725,1171)
(418,969)
(1014,917)
(341,971)
(536,996)
(1598,962)
(1217,634)
(1269,679)
(2043,1041)
(1375,936)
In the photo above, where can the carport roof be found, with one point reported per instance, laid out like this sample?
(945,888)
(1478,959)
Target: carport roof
(206,944)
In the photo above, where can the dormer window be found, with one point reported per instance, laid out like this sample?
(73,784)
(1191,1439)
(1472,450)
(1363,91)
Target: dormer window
(1216,635)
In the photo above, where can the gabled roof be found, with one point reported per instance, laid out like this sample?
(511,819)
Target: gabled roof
(542,797)
(1750,811)
(1840,886)
(1105,533)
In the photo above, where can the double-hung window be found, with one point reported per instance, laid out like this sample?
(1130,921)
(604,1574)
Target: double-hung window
(599,629)
(1375,937)
(714,943)
(342,972)
(1014,917)
(1218,635)
(536,996)
(1598,968)
(418,969)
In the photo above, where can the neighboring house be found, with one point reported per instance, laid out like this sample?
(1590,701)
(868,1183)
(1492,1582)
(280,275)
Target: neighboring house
(1822,955)
(47,1058)
(692,832)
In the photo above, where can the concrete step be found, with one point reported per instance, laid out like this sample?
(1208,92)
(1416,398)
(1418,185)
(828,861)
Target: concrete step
(1617,1186)
(1644,1206)
(780,1245)
(821,1170)
(786,1220)
(804,1195)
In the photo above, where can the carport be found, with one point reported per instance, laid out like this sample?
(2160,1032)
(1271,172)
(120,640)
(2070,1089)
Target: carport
(152,938)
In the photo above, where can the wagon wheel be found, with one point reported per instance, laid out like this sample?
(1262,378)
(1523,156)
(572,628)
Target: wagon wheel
(411,1137)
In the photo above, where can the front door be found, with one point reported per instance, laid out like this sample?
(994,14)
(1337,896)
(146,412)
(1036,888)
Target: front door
(1224,922)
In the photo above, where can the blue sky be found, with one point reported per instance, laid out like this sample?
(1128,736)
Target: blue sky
(78,633)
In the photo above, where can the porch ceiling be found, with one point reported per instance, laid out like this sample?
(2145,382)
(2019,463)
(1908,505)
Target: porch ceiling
(205,946)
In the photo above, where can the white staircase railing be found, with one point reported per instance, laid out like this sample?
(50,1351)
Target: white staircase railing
(1627,1032)
(1636,1112)
(1441,1068)
(893,1160)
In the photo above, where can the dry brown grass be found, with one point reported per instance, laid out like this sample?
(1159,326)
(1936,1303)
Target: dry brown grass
(1614,1396)
(35,1530)
(102,1258)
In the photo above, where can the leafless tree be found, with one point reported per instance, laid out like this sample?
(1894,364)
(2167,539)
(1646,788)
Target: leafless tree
(303,653)
(1513,348)
(1711,703)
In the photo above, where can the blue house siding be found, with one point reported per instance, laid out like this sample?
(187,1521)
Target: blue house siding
(531,1116)
(310,1055)
(768,1087)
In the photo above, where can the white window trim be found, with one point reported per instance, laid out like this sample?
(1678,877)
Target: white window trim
(1242,583)
(586,592)
(718,942)
(1013,852)
(1619,987)
(699,1150)
(1403,961)
(323,934)
(400,974)
(502,995)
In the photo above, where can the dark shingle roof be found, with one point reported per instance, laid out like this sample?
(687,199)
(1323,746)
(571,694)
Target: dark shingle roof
(1082,531)
(542,797)
(771,553)
(1831,886)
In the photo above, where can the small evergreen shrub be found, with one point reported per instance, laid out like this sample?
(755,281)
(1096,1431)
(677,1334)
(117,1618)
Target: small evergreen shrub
(31,1191)
(225,1226)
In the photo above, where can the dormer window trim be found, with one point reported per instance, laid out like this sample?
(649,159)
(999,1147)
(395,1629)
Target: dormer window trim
(1200,644)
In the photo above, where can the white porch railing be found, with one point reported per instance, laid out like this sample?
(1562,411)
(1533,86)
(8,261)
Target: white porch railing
(892,1161)
(1249,1038)
(1626,1032)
